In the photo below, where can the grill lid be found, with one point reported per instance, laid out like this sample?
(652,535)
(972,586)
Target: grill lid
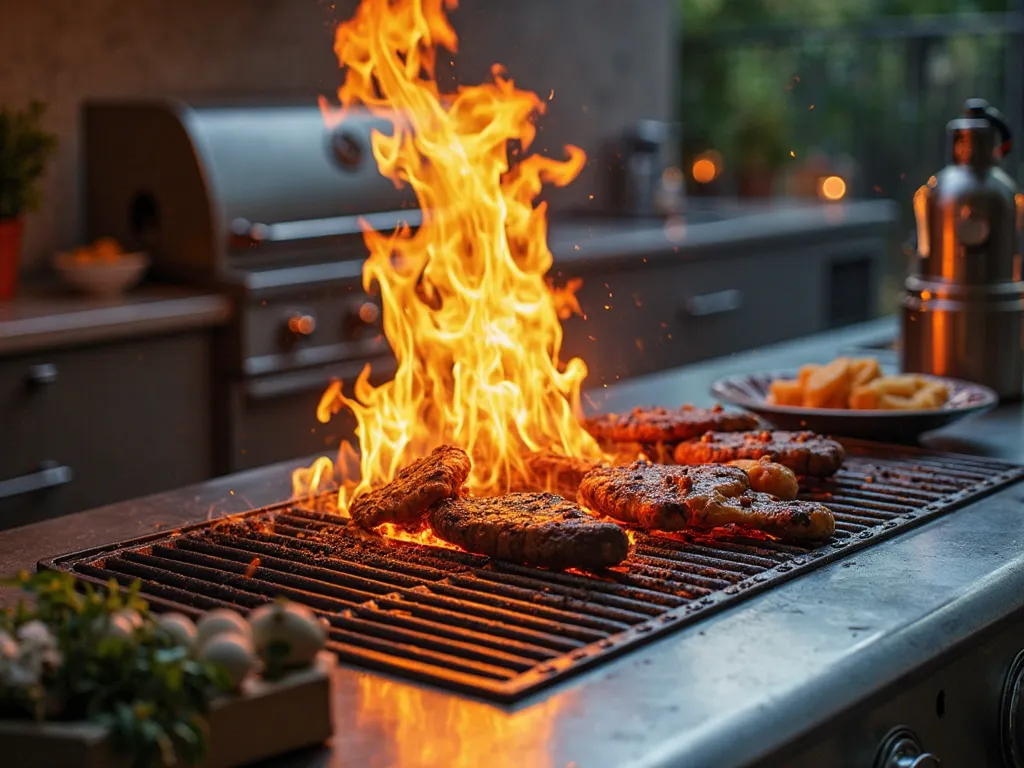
(231,177)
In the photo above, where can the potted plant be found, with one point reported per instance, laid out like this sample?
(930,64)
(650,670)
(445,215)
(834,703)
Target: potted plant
(25,149)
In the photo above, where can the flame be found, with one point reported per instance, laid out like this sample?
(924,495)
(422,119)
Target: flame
(466,309)
(425,536)
(427,728)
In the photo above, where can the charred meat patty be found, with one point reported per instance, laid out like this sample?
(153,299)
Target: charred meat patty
(803,452)
(531,528)
(665,498)
(666,425)
(405,500)
(672,498)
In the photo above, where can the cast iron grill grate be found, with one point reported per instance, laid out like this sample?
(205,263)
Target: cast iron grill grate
(501,630)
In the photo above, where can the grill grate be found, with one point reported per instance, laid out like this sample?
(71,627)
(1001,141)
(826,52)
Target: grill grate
(501,630)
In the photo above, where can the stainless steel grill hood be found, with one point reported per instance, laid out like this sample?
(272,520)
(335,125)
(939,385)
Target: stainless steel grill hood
(206,186)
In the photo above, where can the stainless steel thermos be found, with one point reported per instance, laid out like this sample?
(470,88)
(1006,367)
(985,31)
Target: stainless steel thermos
(963,308)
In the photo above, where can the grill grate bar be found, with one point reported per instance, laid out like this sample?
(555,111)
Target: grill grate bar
(344,574)
(500,629)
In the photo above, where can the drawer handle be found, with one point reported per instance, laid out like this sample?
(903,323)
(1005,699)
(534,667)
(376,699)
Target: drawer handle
(718,303)
(41,375)
(50,475)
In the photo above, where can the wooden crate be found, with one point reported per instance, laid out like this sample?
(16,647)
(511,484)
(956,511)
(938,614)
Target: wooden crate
(266,719)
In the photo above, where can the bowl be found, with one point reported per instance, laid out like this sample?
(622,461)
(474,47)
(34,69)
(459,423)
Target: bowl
(102,277)
(748,391)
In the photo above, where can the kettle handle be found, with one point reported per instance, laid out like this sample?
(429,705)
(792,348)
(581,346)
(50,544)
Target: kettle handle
(996,118)
(981,108)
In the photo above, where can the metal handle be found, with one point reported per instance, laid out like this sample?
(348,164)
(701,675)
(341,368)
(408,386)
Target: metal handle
(247,233)
(50,475)
(41,375)
(719,303)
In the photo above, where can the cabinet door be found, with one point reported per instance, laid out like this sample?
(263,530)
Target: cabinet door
(90,426)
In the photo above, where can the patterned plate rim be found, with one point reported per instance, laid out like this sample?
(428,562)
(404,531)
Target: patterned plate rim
(983,398)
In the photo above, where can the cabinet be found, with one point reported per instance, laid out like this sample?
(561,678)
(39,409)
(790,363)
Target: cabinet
(86,426)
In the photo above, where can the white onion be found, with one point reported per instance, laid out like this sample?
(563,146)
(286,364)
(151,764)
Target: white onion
(287,634)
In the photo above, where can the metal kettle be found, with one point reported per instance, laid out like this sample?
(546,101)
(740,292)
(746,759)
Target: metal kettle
(962,312)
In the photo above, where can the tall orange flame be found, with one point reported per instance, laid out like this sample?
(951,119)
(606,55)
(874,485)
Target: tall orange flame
(472,323)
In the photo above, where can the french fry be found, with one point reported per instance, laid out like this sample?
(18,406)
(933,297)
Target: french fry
(867,397)
(864,370)
(786,392)
(829,386)
(902,386)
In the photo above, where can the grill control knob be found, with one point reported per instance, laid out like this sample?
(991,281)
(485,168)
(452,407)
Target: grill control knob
(1011,726)
(301,325)
(362,317)
(901,749)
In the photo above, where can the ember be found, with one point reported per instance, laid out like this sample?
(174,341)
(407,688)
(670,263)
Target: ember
(466,309)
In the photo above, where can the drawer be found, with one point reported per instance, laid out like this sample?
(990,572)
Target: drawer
(314,328)
(273,418)
(90,426)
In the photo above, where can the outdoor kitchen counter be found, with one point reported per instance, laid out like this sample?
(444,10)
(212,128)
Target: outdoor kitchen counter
(721,692)
(48,316)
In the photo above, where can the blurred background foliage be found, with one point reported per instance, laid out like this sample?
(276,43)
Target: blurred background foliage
(782,91)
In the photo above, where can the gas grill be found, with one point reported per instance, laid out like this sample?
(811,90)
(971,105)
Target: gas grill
(499,630)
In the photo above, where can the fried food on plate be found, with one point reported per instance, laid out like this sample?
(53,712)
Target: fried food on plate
(405,500)
(666,425)
(531,528)
(703,497)
(856,384)
(803,452)
(766,476)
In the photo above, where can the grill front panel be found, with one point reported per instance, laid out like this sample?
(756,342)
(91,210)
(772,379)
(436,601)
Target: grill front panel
(501,630)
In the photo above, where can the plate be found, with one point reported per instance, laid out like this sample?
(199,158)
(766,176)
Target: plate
(748,391)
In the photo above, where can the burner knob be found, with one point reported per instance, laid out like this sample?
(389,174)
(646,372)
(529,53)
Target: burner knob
(1011,727)
(301,325)
(363,317)
(901,749)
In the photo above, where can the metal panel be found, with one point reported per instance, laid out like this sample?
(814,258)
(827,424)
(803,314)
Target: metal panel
(501,630)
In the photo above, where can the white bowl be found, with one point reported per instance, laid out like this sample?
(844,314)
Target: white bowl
(102,278)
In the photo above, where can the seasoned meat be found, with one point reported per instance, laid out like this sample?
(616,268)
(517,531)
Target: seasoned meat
(531,528)
(405,499)
(663,497)
(804,452)
(709,496)
(768,477)
(791,520)
(555,473)
(666,425)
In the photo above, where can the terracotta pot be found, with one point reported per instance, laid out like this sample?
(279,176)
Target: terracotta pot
(10,255)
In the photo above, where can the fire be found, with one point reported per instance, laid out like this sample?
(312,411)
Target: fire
(466,310)
(427,728)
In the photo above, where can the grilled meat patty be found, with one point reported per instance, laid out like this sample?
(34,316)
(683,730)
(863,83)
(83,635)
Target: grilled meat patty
(663,497)
(791,520)
(671,498)
(804,452)
(532,528)
(405,500)
(556,473)
(666,425)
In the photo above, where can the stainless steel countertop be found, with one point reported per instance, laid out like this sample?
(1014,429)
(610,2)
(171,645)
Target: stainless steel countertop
(720,693)
(49,316)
